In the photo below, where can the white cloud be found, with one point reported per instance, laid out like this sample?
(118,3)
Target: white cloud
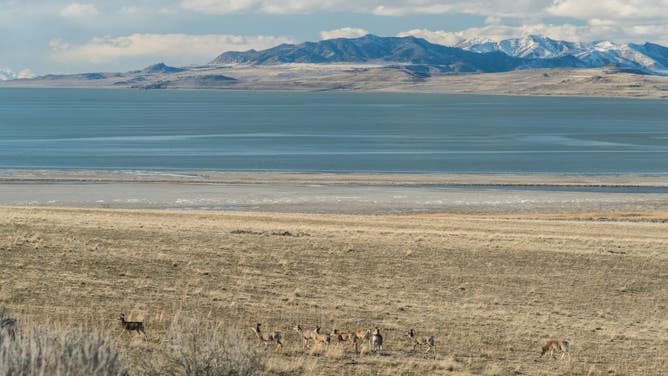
(79,10)
(192,48)
(130,10)
(611,9)
(345,32)
(499,32)
(378,7)
(621,19)
(8,74)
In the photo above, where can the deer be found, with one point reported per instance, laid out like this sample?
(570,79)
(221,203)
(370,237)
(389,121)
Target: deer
(132,326)
(268,337)
(306,335)
(361,336)
(561,346)
(8,325)
(341,337)
(320,337)
(429,341)
(376,341)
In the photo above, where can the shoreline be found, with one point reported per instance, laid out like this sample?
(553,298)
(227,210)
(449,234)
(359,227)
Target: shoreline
(327,193)
(352,91)
(332,178)
(547,82)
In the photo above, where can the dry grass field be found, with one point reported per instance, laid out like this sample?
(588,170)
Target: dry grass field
(491,289)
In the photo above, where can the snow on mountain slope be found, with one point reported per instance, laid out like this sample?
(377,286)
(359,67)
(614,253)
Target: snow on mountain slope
(648,58)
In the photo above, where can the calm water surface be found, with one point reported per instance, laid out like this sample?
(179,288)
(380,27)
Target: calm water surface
(219,130)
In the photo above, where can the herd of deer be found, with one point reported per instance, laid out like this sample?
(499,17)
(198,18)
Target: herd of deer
(355,337)
(375,340)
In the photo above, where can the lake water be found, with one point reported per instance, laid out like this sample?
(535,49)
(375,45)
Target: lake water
(341,132)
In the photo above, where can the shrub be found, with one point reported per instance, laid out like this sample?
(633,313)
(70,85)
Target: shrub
(199,348)
(41,351)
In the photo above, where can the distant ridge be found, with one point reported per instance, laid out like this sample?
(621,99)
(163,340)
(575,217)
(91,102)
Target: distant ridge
(483,56)
(375,49)
(648,58)
(161,68)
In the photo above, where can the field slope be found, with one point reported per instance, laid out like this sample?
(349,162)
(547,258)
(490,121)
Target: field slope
(491,288)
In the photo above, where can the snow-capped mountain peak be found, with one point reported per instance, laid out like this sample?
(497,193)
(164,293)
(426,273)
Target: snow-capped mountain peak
(648,58)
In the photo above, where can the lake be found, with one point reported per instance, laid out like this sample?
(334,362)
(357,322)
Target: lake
(333,131)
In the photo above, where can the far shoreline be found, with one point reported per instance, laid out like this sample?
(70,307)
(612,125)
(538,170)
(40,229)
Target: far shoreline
(194,176)
(597,83)
(657,97)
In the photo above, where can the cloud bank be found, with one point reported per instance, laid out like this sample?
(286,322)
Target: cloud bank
(160,46)
(344,32)
(79,10)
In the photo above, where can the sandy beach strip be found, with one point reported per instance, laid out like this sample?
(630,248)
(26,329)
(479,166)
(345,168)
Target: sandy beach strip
(334,193)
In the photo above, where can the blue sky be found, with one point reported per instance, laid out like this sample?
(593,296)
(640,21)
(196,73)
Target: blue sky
(53,36)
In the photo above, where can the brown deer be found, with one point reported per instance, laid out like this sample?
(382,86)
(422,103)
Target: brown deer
(268,337)
(429,341)
(361,336)
(376,341)
(341,337)
(132,326)
(560,346)
(321,338)
(305,335)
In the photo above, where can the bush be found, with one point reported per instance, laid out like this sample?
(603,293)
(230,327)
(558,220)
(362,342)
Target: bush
(40,351)
(197,348)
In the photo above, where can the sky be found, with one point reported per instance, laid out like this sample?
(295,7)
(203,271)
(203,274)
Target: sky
(54,36)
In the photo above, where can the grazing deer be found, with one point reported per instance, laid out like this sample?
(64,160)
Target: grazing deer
(320,337)
(342,337)
(306,335)
(376,341)
(9,325)
(429,341)
(132,326)
(561,346)
(268,337)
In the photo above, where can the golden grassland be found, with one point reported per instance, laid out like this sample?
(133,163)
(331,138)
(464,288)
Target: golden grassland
(491,289)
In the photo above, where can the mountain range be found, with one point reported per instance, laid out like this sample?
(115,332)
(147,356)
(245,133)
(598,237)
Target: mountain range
(404,64)
(476,55)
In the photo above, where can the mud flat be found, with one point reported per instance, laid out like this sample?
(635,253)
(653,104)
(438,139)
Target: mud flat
(334,193)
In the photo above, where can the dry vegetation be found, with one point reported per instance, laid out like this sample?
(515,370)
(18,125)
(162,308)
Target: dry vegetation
(492,289)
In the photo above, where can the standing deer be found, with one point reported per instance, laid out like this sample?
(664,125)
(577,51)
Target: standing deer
(341,337)
(268,337)
(376,341)
(132,326)
(360,336)
(429,341)
(306,335)
(321,338)
(560,346)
